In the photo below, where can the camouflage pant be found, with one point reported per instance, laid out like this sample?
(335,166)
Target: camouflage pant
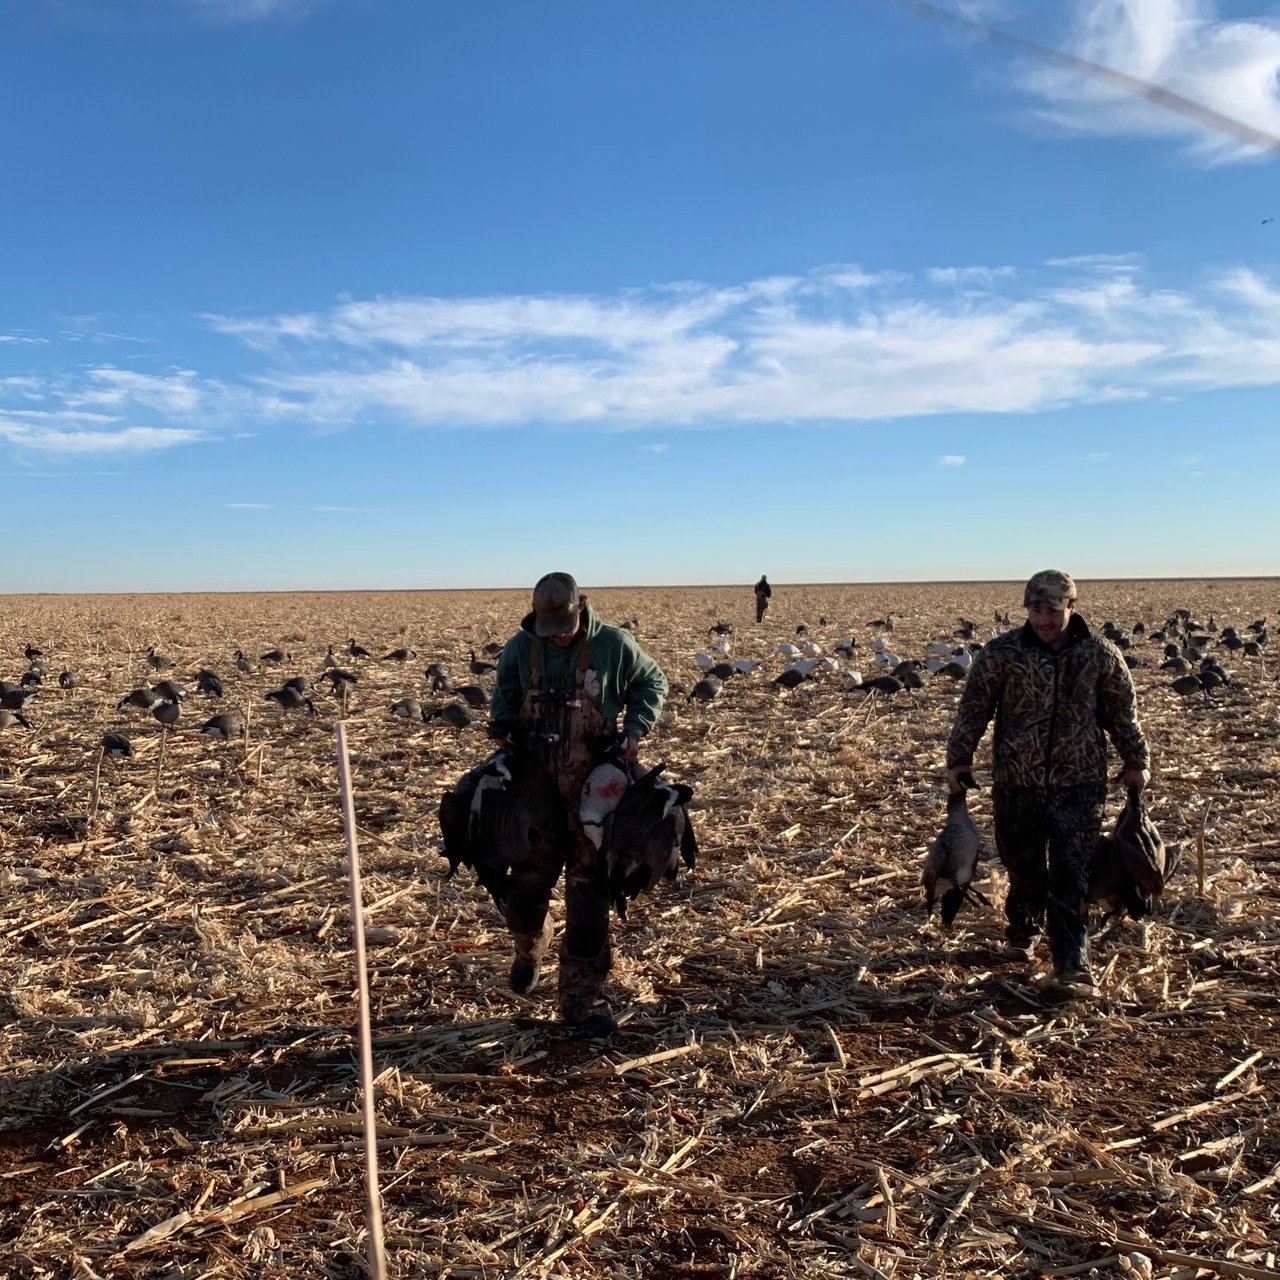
(585,952)
(1062,823)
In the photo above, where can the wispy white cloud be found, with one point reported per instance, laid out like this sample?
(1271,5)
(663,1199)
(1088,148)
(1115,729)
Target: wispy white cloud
(56,441)
(250,506)
(28,338)
(654,448)
(1230,66)
(785,349)
(952,460)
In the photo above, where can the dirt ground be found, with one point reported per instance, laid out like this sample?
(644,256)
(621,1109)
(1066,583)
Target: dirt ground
(811,1078)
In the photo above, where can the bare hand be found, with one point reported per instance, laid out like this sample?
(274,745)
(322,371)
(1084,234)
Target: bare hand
(1138,779)
(628,748)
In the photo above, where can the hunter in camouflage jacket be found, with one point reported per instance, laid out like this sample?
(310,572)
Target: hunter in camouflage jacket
(1054,709)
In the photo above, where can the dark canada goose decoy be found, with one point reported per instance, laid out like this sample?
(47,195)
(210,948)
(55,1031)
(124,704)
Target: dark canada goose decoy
(1179,665)
(883,684)
(8,718)
(356,650)
(226,726)
(473,695)
(1184,685)
(706,690)
(116,745)
(479,668)
(723,671)
(791,677)
(273,657)
(339,678)
(911,678)
(243,664)
(882,624)
(407,709)
(31,653)
(1252,649)
(452,713)
(399,655)
(953,670)
(15,699)
(1257,625)
(157,661)
(722,628)
(143,699)
(631,624)
(438,674)
(290,699)
(330,659)
(209,684)
(1213,678)
(169,691)
(300,683)
(167,713)
(67,679)
(29,679)
(802,630)
(493,649)
(1139,628)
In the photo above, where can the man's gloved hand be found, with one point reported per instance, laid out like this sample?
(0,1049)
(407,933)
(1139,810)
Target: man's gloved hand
(628,748)
(500,731)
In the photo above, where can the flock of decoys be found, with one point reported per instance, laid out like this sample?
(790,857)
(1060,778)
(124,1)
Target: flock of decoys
(1188,654)
(164,699)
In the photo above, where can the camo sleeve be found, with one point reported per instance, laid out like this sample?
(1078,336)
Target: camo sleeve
(977,705)
(1118,711)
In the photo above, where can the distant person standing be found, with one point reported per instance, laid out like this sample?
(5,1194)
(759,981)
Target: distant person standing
(1057,693)
(763,592)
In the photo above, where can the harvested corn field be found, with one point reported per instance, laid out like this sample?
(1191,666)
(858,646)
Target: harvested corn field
(811,1078)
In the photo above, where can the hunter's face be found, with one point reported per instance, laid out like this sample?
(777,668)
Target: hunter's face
(1049,621)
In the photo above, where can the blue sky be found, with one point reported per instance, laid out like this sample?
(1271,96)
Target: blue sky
(428,293)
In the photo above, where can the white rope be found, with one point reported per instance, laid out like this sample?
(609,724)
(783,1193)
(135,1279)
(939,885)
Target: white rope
(377,1247)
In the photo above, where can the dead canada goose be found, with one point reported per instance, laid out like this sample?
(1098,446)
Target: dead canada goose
(407,708)
(143,699)
(706,690)
(167,713)
(399,655)
(67,679)
(953,857)
(157,661)
(8,718)
(116,745)
(473,695)
(356,650)
(290,699)
(479,668)
(452,713)
(225,726)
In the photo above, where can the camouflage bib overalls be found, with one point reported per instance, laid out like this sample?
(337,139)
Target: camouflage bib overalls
(566,732)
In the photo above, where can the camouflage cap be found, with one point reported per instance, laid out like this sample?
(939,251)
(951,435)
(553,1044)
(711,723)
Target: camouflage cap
(1049,586)
(555,605)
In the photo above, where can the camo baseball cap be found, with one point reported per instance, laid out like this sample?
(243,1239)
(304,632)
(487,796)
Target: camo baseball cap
(555,605)
(1049,586)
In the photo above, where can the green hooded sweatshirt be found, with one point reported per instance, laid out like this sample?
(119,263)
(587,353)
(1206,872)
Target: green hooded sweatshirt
(631,683)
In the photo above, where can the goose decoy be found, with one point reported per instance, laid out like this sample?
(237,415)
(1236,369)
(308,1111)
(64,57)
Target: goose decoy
(722,629)
(29,679)
(225,726)
(704,660)
(706,690)
(473,695)
(438,674)
(339,677)
(167,713)
(157,661)
(143,699)
(290,699)
(1179,665)
(1184,685)
(16,699)
(330,659)
(399,655)
(791,677)
(31,653)
(169,691)
(1257,625)
(910,678)
(724,671)
(209,684)
(407,708)
(273,657)
(953,670)
(883,684)
(116,745)
(243,664)
(300,683)
(631,624)
(479,668)
(802,630)
(745,666)
(356,650)
(882,624)
(452,713)
(493,649)
(8,718)
(67,679)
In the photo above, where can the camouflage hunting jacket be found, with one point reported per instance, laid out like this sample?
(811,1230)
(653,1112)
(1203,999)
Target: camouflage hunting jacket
(1054,710)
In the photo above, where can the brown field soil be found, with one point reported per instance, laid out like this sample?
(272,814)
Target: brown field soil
(811,1079)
